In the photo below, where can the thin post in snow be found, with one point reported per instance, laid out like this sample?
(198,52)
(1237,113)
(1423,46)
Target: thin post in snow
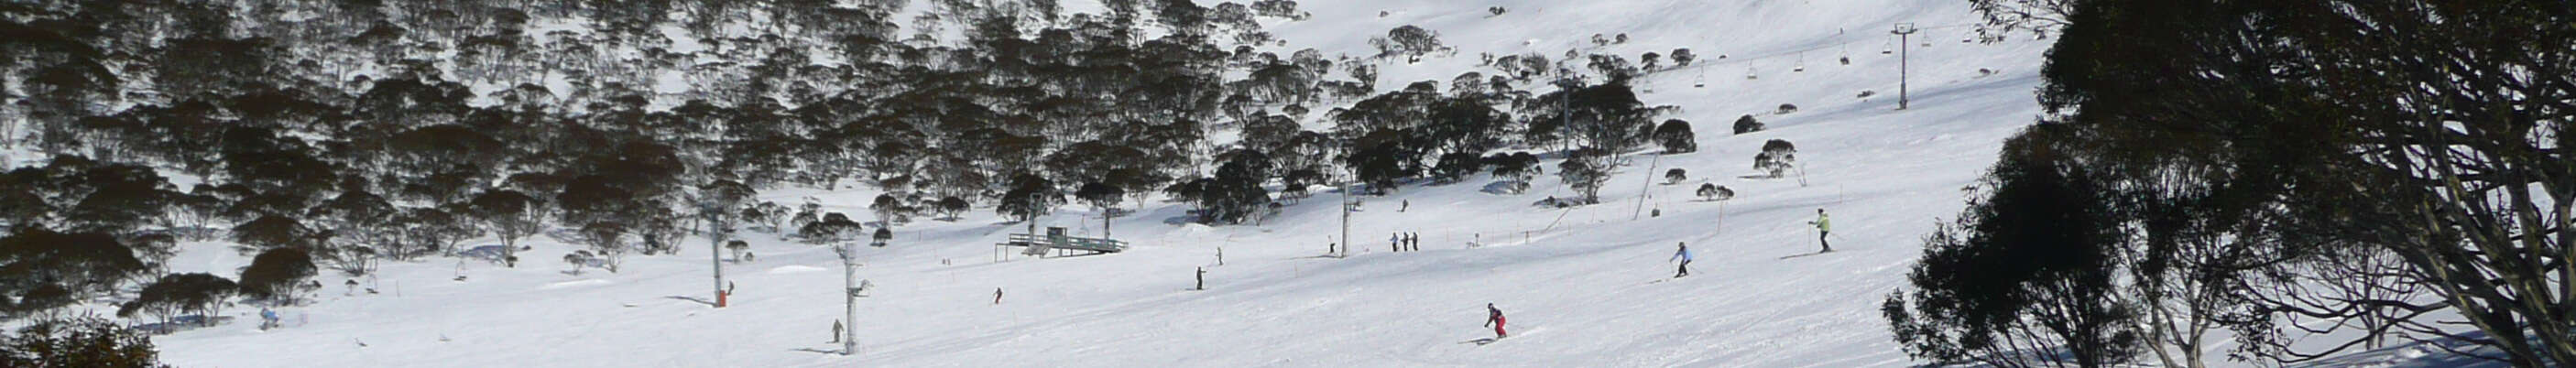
(1644,189)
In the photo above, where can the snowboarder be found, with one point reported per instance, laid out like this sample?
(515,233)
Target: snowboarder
(1681,252)
(997,296)
(1202,279)
(1403,205)
(836,331)
(1494,317)
(1824,227)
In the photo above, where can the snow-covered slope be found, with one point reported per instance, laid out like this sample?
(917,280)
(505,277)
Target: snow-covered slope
(1582,287)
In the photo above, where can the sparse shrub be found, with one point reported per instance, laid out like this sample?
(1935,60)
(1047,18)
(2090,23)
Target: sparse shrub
(1747,124)
(1714,192)
(1777,158)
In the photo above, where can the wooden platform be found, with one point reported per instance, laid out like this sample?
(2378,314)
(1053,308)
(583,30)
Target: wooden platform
(1055,241)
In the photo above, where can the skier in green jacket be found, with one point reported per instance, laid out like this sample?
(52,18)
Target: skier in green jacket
(1824,226)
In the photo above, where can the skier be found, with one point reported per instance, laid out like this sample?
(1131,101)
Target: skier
(1395,242)
(1412,241)
(836,331)
(1494,317)
(1681,252)
(997,296)
(1404,205)
(1202,279)
(267,319)
(1824,227)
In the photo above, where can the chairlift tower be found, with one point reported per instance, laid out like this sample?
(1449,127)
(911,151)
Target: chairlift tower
(853,288)
(1345,249)
(1904,33)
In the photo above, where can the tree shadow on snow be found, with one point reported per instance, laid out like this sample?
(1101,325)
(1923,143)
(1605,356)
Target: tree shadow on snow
(182,323)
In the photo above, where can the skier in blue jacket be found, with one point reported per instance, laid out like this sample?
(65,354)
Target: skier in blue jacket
(1681,252)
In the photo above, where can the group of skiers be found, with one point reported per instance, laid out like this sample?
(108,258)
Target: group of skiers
(1494,315)
(1400,242)
(1824,228)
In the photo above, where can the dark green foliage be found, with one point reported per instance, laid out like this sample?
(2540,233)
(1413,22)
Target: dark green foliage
(1746,124)
(1293,184)
(2024,277)
(176,294)
(2386,186)
(277,275)
(950,207)
(1777,158)
(1714,192)
(79,342)
(1676,137)
(39,302)
(1456,166)
(1585,170)
(78,194)
(1607,116)
(1030,196)
(82,262)
(834,227)
(273,232)
(1102,195)
(1235,194)
(1386,159)
(1519,166)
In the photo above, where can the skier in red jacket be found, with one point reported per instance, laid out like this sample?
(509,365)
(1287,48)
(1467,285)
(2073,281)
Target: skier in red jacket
(1495,318)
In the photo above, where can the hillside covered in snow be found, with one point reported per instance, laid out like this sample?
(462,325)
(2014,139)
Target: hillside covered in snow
(534,184)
